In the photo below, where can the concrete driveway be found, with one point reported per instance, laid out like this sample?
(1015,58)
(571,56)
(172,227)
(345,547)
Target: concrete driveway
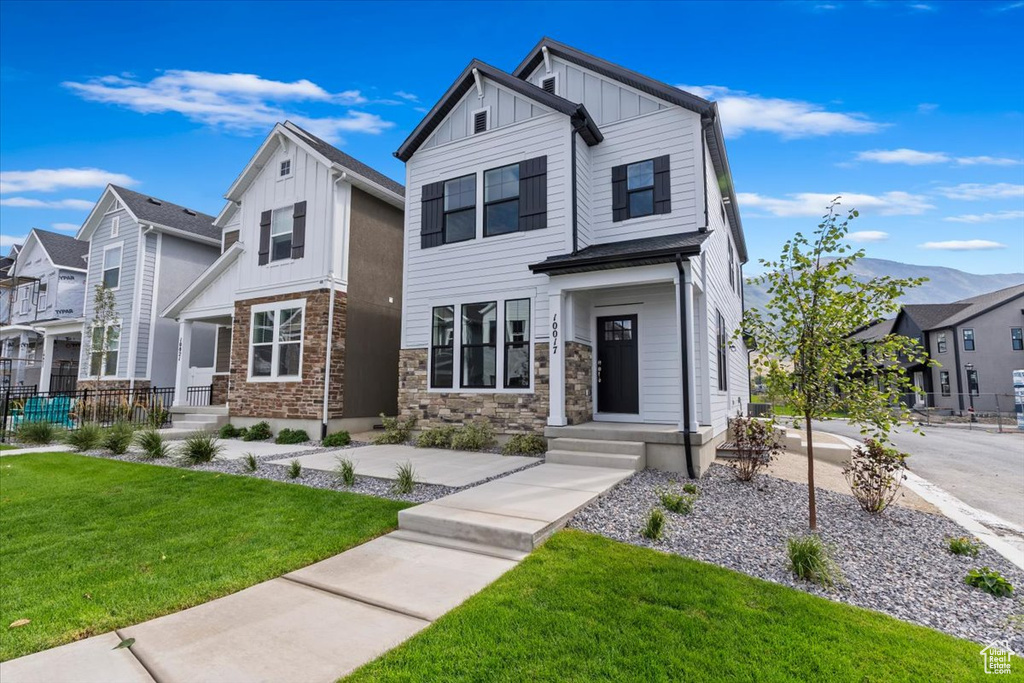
(983,469)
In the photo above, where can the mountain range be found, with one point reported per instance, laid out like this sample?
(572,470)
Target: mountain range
(943,285)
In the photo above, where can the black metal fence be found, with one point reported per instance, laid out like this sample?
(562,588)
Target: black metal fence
(70,410)
(199,395)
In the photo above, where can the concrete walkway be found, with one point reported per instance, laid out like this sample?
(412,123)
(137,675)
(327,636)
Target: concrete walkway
(51,448)
(323,621)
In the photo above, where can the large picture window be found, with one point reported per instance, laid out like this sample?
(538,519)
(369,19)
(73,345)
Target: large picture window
(112,268)
(281,222)
(640,187)
(442,347)
(479,350)
(460,209)
(517,344)
(276,341)
(501,200)
(103,351)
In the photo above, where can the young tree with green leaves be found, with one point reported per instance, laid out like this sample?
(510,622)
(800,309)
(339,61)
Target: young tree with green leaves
(104,332)
(805,351)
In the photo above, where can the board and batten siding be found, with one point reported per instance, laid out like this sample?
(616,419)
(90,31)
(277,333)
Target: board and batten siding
(485,266)
(584,194)
(505,108)
(124,296)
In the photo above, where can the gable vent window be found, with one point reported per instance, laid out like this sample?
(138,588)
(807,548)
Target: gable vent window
(286,168)
(479,121)
(115,226)
(548,85)
(642,188)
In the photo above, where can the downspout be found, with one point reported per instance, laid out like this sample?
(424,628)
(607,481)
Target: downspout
(330,310)
(959,379)
(577,125)
(684,344)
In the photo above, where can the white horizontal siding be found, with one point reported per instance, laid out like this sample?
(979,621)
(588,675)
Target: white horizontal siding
(145,306)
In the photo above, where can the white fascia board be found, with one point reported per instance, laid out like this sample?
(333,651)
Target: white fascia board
(216,268)
(88,226)
(229,210)
(393,198)
(184,234)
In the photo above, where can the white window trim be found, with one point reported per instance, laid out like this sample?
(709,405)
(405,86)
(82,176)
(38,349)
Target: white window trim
(547,76)
(291,169)
(472,120)
(291,233)
(120,265)
(276,306)
(115,226)
(499,358)
(119,323)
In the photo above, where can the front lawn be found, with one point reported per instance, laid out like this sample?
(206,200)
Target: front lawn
(88,545)
(587,608)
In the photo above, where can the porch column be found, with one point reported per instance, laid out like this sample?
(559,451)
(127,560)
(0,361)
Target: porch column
(47,368)
(558,333)
(184,353)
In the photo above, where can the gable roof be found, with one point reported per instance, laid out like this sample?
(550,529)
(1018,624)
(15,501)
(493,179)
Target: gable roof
(875,331)
(465,82)
(974,306)
(349,162)
(64,251)
(643,251)
(160,212)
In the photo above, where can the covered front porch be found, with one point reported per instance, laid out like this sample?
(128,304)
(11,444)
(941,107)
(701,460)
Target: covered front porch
(62,350)
(194,383)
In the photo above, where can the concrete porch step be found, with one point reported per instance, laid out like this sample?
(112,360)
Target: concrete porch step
(198,410)
(456,544)
(620,461)
(197,417)
(565,443)
(195,426)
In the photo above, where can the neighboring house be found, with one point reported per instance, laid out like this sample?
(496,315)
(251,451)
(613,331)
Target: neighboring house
(307,292)
(146,250)
(573,254)
(43,287)
(976,344)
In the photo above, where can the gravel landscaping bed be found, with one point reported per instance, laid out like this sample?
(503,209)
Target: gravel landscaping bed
(897,563)
(370,486)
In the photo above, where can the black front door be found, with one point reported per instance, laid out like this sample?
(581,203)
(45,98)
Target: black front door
(618,379)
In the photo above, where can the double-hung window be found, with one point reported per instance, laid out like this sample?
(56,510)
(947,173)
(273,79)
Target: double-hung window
(723,355)
(41,297)
(281,234)
(104,350)
(501,200)
(25,304)
(112,267)
(460,209)
(517,344)
(944,382)
(972,382)
(442,347)
(276,341)
(1017,338)
(640,188)
(940,343)
(479,348)
(968,339)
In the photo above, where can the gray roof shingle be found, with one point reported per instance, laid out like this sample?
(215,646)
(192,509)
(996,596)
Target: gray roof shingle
(643,251)
(64,250)
(349,162)
(976,305)
(152,210)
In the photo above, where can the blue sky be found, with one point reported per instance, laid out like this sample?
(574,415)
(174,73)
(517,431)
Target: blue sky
(913,110)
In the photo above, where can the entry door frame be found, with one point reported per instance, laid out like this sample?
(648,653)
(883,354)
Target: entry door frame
(611,311)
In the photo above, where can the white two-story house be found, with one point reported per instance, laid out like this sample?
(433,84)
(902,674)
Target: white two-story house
(573,256)
(306,294)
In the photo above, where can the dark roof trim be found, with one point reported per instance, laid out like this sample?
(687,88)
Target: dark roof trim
(610,261)
(465,82)
(720,160)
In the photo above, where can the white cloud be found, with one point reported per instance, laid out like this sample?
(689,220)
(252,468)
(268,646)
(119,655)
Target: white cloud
(742,112)
(962,245)
(10,240)
(65,227)
(868,236)
(913,157)
(1012,5)
(926,108)
(52,179)
(986,217)
(826,7)
(407,96)
(815,203)
(244,103)
(976,191)
(27,203)
(922,7)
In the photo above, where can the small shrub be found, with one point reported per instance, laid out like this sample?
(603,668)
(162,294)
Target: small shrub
(258,432)
(990,581)
(228,431)
(405,479)
(118,437)
(294,469)
(242,431)
(200,447)
(292,436)
(691,488)
(346,471)
(525,444)
(35,433)
(682,504)
(474,436)
(875,473)
(811,559)
(152,444)
(962,545)
(757,444)
(396,430)
(654,526)
(85,438)
(157,417)
(337,439)
(436,437)
(250,463)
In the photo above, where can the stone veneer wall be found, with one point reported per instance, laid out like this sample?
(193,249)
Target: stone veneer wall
(113,385)
(507,413)
(219,390)
(579,363)
(301,400)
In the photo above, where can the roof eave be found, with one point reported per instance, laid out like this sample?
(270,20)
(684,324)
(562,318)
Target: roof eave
(615,261)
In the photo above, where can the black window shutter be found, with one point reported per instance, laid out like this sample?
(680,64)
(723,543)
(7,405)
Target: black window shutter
(533,194)
(662,186)
(432,215)
(620,198)
(265,238)
(299,230)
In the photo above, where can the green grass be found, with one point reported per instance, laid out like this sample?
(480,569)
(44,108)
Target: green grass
(88,545)
(8,447)
(584,608)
